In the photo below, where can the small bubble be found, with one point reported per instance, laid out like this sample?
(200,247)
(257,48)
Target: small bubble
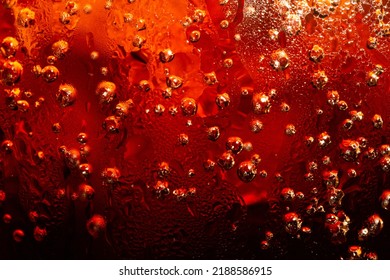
(65,18)
(374,225)
(228,63)
(161,189)
(209,165)
(261,103)
(385,199)
(7,218)
(285,107)
(292,24)
(188,106)
(23,105)
(94,55)
(127,17)
(26,17)
(159,109)
(166,55)
(237,37)
(11,72)
(293,223)
(300,195)
(173,110)
(213,133)
(287,194)
(18,235)
(199,15)
(139,41)
(85,170)
(106,92)
(333,97)
(351,173)
(226,160)
(140,24)
(377,121)
(194,36)
(60,48)
(112,124)
(247,171)
(256,126)
(385,163)
(234,144)
(264,245)
(122,109)
(372,78)
(167,93)
(248,146)
(256,159)
(9,46)
(144,85)
(183,139)
(350,150)
(331,178)
(66,95)
(309,140)
(279,60)
(7,146)
(96,225)
(316,54)
(263,174)
(222,100)
(86,192)
(273,34)
(39,234)
(224,24)
(290,130)
(324,140)
(210,78)
(50,73)
(72,7)
(174,81)
(372,42)
(354,252)
(110,176)
(87,9)
(2,196)
(319,79)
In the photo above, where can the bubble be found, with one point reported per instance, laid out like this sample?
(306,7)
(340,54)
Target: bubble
(72,7)
(140,24)
(234,144)
(335,196)
(273,34)
(56,128)
(167,93)
(292,24)
(279,60)
(264,245)
(372,78)
(309,140)
(213,133)
(256,159)
(347,124)
(385,163)
(337,226)
(385,199)
(22,105)
(350,150)
(247,171)
(194,36)
(261,103)
(363,234)
(161,189)
(333,97)
(7,146)
(188,106)
(18,235)
(316,54)
(26,17)
(66,95)
(256,126)
(39,234)
(293,223)
(284,107)
(331,178)
(174,81)
(210,78)
(222,100)
(163,170)
(11,72)
(351,173)
(312,166)
(159,109)
(354,252)
(300,195)
(72,158)
(228,63)
(374,224)
(139,41)
(112,124)
(263,173)
(224,24)
(8,3)
(371,153)
(122,109)
(362,142)
(180,194)
(7,218)
(110,176)
(371,256)
(372,42)
(377,121)
(287,194)
(144,85)
(96,225)
(209,165)
(106,92)
(60,48)
(50,73)
(127,17)
(173,110)
(65,18)
(226,160)
(323,140)
(319,79)
(290,130)
(183,139)
(9,46)
(2,196)
(166,55)
(199,15)
(86,192)
(85,170)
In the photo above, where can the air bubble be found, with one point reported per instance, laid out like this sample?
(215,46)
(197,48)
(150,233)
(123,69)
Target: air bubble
(9,46)
(226,160)
(316,54)
(66,95)
(96,225)
(188,106)
(106,92)
(234,144)
(26,17)
(279,60)
(11,72)
(247,171)
(166,55)
(213,133)
(261,103)
(60,48)
(293,223)
(50,73)
(319,79)
(222,100)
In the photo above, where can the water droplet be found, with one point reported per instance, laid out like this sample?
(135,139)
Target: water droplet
(213,133)
(50,73)
(279,60)
(247,171)
(188,106)
(96,225)
(106,92)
